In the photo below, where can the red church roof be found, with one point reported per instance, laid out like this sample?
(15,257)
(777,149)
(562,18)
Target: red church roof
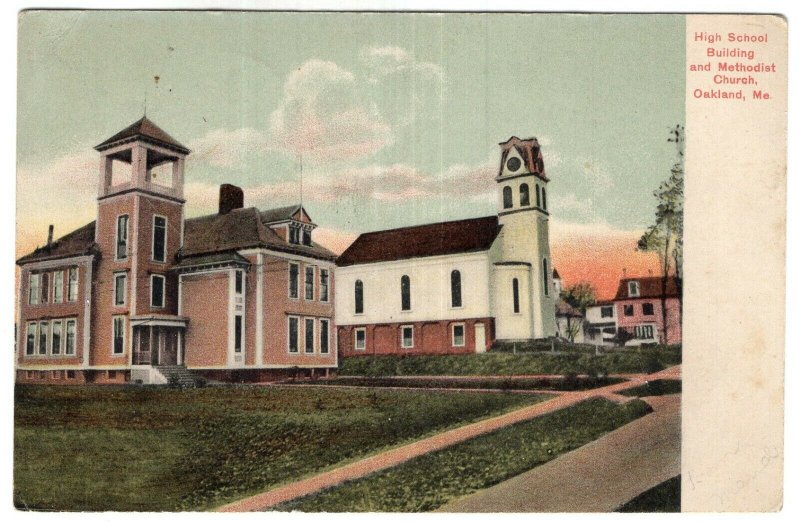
(436,239)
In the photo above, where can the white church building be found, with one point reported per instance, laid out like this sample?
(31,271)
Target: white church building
(455,287)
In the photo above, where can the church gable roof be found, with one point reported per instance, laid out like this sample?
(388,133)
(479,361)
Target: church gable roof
(147,131)
(435,239)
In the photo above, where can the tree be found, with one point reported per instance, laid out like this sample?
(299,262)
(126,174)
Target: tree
(579,296)
(665,235)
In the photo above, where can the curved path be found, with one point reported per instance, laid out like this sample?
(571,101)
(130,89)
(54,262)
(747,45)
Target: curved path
(398,455)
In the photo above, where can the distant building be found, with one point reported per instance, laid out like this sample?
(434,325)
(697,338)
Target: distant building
(141,293)
(638,308)
(569,320)
(458,286)
(601,323)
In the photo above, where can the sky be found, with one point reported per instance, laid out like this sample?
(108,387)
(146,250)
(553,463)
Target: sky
(395,118)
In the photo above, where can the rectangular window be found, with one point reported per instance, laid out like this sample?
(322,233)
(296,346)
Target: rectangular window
(515,292)
(239,282)
(159,238)
(408,336)
(237,334)
(324,336)
(323,285)
(70,374)
(157,283)
(458,335)
(627,310)
(58,286)
(55,339)
(643,331)
(30,339)
(118,345)
(309,344)
(360,339)
(119,289)
(307,237)
(45,293)
(69,348)
(647,309)
(72,290)
(294,283)
(633,288)
(293,334)
(44,330)
(309,283)
(34,283)
(122,237)
(607,311)
(294,235)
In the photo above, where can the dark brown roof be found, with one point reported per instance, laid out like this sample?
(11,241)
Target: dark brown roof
(213,259)
(146,130)
(436,239)
(279,214)
(649,287)
(555,274)
(239,229)
(77,243)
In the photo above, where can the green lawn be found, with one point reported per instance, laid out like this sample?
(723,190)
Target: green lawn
(507,383)
(428,482)
(664,498)
(142,448)
(644,360)
(652,388)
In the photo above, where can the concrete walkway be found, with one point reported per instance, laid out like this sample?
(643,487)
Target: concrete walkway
(597,477)
(395,456)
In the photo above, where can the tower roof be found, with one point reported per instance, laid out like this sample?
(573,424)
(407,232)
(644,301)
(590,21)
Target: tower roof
(529,150)
(144,130)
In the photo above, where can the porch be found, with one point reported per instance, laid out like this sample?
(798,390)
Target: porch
(158,340)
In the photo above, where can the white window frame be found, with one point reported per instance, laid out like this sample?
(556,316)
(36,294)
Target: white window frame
(289,334)
(72,297)
(163,278)
(355,339)
(118,275)
(50,345)
(114,319)
(116,237)
(289,281)
(633,289)
(153,239)
(306,322)
(639,330)
(58,286)
(238,349)
(35,326)
(606,307)
(46,325)
(313,269)
(328,336)
(74,323)
(453,335)
(327,285)
(34,290)
(403,336)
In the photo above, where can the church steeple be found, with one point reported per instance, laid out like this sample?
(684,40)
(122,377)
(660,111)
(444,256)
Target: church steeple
(156,161)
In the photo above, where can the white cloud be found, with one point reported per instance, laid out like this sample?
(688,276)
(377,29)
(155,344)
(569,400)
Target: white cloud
(322,117)
(571,203)
(388,60)
(595,174)
(226,148)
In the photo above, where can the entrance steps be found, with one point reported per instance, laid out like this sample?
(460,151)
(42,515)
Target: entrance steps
(178,375)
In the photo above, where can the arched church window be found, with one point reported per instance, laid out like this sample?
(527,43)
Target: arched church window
(515,291)
(538,197)
(544,198)
(405,293)
(359,291)
(508,201)
(545,279)
(524,196)
(455,289)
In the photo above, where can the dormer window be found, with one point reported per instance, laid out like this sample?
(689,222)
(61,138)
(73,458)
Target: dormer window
(633,288)
(307,237)
(294,235)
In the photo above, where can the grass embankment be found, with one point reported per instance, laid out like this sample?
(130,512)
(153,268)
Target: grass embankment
(581,362)
(430,481)
(664,498)
(95,448)
(653,388)
(505,384)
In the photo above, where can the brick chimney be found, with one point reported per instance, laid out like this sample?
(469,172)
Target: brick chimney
(231,197)
(50,235)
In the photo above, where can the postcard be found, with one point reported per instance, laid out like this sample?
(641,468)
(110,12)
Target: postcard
(399,261)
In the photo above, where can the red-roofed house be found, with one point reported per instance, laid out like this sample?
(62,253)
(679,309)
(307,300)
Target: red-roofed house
(454,287)
(639,305)
(141,293)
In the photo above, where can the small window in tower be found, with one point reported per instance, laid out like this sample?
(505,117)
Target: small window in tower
(157,283)
(159,238)
(508,200)
(545,279)
(122,237)
(524,196)
(513,164)
(544,198)
(121,172)
(538,197)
